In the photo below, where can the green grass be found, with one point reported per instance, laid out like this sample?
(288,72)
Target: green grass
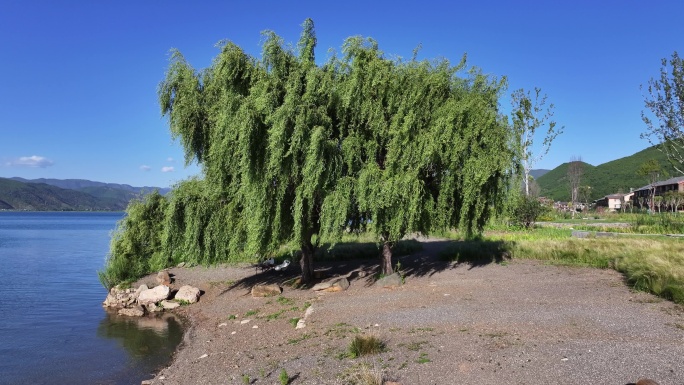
(652,264)
(365,345)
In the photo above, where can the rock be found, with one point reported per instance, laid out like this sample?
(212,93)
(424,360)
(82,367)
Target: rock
(146,382)
(153,308)
(169,305)
(389,281)
(301,324)
(188,293)
(341,284)
(163,278)
(322,286)
(136,311)
(182,264)
(154,295)
(335,284)
(266,290)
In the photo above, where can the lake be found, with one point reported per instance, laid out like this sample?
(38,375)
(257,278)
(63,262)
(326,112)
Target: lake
(53,328)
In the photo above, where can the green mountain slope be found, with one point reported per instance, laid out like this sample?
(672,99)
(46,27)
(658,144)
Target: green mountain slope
(16,195)
(608,178)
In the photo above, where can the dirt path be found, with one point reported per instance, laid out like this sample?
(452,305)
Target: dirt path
(519,322)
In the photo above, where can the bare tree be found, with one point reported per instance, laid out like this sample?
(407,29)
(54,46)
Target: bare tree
(529,114)
(575,170)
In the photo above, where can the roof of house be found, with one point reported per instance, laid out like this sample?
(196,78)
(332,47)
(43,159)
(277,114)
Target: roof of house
(675,180)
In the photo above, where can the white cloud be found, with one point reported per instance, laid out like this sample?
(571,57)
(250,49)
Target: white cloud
(168,169)
(145,167)
(30,161)
(169,159)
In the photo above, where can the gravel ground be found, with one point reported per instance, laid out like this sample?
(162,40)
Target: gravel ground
(520,322)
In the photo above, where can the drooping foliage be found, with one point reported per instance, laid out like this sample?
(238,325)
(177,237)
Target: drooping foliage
(423,148)
(294,152)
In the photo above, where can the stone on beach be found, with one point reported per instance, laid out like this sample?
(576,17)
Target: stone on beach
(188,293)
(163,278)
(169,305)
(266,290)
(136,311)
(154,295)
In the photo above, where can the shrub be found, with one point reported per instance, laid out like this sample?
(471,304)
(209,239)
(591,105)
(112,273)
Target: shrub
(526,211)
(365,345)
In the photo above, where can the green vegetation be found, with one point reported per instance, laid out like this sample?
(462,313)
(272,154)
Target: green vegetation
(665,102)
(294,154)
(284,377)
(365,345)
(608,178)
(652,264)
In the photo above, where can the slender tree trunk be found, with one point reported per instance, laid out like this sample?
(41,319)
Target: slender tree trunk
(527,181)
(306,262)
(386,263)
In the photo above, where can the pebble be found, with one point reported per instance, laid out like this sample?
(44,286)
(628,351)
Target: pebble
(205,355)
(223,324)
(255,327)
(244,321)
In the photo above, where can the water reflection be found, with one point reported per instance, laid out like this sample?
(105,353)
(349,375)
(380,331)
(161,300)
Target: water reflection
(150,341)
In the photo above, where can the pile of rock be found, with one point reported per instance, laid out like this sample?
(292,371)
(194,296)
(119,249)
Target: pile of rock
(137,302)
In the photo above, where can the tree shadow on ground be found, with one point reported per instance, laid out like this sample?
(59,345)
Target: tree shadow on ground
(416,259)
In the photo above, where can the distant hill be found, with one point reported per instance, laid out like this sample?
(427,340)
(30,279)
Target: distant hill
(615,176)
(538,173)
(67,195)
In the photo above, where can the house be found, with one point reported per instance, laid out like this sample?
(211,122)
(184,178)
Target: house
(643,194)
(614,202)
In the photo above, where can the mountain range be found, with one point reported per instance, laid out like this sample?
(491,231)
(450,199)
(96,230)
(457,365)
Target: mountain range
(617,176)
(68,195)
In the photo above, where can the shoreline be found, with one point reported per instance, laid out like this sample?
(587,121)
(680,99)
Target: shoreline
(522,322)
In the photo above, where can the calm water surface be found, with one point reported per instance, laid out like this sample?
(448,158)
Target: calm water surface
(53,329)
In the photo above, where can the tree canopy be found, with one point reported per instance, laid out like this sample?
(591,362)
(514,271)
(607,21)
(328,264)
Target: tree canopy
(665,101)
(293,151)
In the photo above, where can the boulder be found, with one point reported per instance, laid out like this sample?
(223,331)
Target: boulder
(322,286)
(333,285)
(188,293)
(266,290)
(153,308)
(341,284)
(163,278)
(389,281)
(169,305)
(136,311)
(154,295)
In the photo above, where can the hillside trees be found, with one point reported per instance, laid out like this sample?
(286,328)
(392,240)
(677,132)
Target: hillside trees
(665,101)
(292,151)
(529,114)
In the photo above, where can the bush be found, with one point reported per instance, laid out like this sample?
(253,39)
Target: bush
(526,211)
(365,345)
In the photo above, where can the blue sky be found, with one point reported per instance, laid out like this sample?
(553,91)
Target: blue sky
(78,79)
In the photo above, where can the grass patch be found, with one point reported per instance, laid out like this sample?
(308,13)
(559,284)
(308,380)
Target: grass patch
(423,359)
(650,264)
(365,345)
(251,313)
(284,301)
(299,339)
(294,321)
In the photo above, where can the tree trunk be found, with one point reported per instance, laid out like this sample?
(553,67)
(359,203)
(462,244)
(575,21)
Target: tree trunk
(306,262)
(386,259)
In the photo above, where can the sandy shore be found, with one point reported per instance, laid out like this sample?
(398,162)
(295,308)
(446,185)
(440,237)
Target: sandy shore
(520,322)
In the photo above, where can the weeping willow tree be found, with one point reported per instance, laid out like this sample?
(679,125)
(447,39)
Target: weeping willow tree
(292,151)
(264,132)
(423,148)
